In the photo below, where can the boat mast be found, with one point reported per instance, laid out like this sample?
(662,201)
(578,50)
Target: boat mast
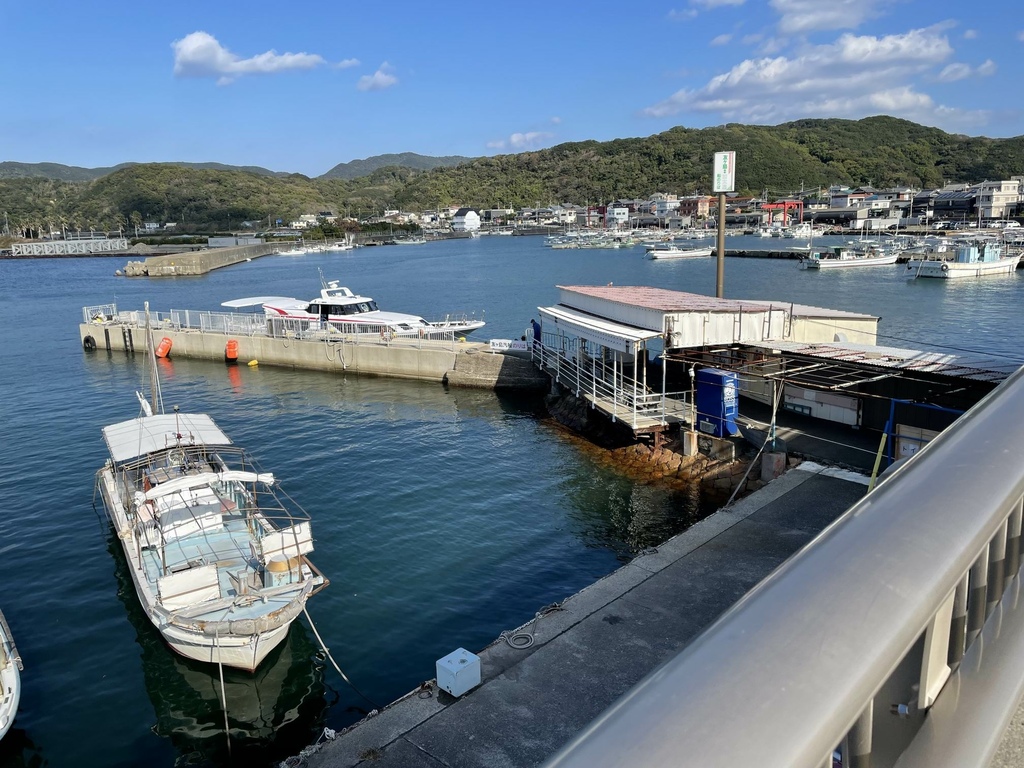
(154,380)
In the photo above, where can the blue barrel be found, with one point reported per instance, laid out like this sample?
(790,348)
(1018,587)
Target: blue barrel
(717,402)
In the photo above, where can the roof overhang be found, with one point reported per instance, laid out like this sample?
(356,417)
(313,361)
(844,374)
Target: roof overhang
(137,437)
(570,322)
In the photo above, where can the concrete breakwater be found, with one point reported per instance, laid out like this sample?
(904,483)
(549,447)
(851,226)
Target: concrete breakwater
(196,262)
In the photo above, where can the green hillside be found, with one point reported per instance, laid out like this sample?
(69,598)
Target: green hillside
(806,154)
(359,168)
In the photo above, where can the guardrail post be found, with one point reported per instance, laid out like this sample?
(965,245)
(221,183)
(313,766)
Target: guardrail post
(1013,540)
(978,596)
(958,624)
(859,739)
(996,569)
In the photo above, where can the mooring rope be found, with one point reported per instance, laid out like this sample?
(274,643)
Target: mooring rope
(333,662)
(223,692)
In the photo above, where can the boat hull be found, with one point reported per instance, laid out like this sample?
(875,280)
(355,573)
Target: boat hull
(679,253)
(10,680)
(951,270)
(850,263)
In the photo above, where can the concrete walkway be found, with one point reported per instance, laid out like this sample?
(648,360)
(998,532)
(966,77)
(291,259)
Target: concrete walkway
(601,642)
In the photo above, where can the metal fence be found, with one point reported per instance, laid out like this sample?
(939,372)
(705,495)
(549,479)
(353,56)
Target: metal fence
(249,324)
(895,637)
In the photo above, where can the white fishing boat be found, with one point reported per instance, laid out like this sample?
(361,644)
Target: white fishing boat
(10,677)
(976,259)
(846,257)
(339,309)
(411,241)
(217,552)
(673,251)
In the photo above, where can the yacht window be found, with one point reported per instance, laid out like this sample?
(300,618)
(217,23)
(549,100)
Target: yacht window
(373,306)
(364,307)
(405,326)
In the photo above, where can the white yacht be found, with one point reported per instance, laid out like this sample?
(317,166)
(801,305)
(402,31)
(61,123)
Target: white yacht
(339,309)
(845,257)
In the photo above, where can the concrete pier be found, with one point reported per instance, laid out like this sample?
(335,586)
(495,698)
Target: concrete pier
(457,363)
(593,647)
(197,262)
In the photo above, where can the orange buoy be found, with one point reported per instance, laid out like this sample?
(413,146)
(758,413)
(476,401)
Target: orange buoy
(231,351)
(164,349)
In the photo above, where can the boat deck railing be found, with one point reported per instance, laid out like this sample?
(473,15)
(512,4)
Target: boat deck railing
(249,324)
(896,636)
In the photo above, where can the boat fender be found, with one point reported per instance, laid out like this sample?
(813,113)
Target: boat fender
(164,348)
(89,343)
(231,351)
(945,267)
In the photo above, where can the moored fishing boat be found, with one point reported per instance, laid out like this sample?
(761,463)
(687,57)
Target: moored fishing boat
(217,552)
(672,251)
(970,260)
(10,677)
(845,257)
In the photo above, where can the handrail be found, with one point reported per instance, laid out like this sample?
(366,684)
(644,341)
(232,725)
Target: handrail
(794,669)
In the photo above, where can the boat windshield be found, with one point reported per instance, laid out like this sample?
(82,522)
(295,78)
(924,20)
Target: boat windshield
(356,308)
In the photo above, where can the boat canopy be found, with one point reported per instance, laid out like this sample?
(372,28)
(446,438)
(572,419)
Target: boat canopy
(256,301)
(137,437)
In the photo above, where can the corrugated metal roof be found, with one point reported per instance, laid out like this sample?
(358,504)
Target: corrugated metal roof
(964,366)
(665,300)
(137,437)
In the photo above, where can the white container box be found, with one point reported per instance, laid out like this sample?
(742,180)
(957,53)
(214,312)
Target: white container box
(458,672)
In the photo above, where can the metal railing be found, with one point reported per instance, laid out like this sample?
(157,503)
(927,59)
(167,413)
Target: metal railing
(896,636)
(248,324)
(610,389)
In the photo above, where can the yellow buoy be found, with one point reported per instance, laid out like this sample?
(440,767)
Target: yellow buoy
(253,363)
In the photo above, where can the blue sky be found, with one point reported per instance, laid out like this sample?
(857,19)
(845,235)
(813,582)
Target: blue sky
(302,86)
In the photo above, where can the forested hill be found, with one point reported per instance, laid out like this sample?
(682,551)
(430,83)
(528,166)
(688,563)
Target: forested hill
(880,151)
(56,171)
(358,168)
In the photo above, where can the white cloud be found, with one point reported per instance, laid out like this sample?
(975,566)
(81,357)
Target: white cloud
(556,120)
(347,63)
(715,3)
(523,141)
(721,40)
(751,39)
(801,16)
(379,80)
(960,71)
(199,54)
(970,34)
(682,15)
(852,77)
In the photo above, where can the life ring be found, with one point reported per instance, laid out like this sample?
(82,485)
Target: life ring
(89,343)
(945,267)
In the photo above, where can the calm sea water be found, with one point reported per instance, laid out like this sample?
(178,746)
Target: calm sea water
(441,517)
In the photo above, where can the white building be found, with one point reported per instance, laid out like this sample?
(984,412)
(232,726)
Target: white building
(466,220)
(617,216)
(997,199)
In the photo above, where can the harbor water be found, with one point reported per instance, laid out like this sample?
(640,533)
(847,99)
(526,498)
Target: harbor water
(441,517)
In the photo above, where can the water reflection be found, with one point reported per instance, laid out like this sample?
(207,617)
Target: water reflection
(272,713)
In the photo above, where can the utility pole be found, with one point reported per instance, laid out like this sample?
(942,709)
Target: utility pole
(724,180)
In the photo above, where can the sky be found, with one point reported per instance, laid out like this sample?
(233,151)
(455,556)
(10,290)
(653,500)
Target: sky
(302,86)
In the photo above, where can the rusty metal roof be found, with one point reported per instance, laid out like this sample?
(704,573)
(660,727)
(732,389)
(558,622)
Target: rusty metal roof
(976,366)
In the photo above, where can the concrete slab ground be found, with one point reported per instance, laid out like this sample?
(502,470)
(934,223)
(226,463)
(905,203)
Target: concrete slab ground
(599,642)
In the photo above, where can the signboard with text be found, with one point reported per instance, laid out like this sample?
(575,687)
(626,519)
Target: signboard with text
(724,172)
(500,345)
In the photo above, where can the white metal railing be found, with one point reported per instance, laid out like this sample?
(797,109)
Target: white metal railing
(896,636)
(249,324)
(620,396)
